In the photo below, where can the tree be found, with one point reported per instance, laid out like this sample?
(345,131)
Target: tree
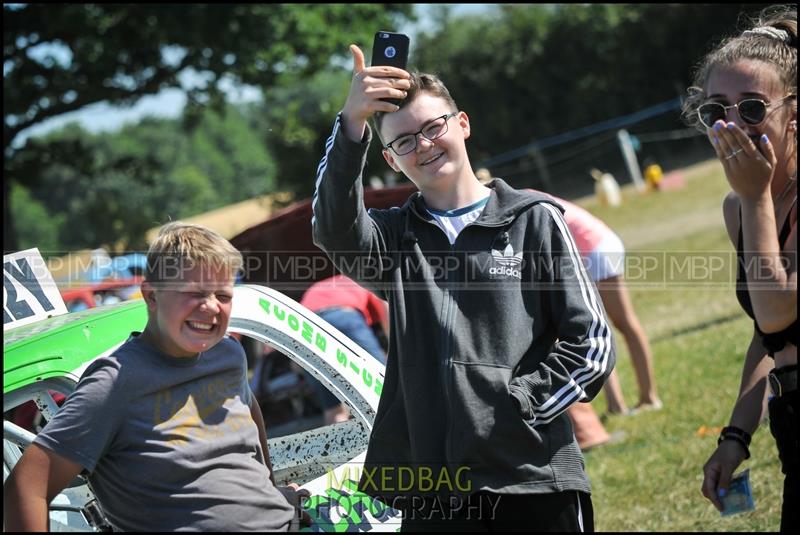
(529,72)
(37,227)
(58,59)
(139,177)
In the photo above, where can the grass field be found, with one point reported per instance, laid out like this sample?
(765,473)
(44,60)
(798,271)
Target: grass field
(682,288)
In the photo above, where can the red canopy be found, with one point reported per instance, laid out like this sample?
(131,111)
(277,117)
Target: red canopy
(280,252)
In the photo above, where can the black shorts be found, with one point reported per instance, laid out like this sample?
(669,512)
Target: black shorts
(487,511)
(783,424)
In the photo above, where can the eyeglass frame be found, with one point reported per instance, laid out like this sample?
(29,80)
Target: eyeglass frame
(737,104)
(446,117)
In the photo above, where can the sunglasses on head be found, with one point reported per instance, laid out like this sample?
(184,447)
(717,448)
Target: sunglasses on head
(753,111)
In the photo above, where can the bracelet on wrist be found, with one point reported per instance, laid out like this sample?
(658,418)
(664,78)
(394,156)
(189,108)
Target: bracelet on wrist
(735,438)
(738,431)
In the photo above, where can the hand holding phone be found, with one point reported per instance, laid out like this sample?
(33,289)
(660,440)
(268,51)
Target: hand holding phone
(390,49)
(370,92)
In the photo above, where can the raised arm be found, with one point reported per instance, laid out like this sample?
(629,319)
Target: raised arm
(340,223)
(369,86)
(771,273)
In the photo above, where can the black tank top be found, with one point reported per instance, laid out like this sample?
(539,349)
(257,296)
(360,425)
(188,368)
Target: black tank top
(772,342)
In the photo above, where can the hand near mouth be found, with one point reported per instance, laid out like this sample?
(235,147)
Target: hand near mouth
(748,166)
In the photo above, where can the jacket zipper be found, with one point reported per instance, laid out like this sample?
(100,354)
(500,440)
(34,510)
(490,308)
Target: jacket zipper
(447,365)
(447,362)
(447,372)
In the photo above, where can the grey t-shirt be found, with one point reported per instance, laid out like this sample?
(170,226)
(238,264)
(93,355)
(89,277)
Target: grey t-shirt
(169,443)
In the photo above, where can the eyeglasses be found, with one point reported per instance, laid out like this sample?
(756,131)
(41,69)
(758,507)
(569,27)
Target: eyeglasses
(753,111)
(432,130)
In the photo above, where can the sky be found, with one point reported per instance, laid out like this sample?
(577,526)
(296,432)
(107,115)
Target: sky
(169,103)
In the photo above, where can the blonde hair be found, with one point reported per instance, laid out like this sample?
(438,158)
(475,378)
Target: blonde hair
(771,39)
(181,246)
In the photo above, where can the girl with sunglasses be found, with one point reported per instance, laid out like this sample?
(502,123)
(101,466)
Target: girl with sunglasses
(745,99)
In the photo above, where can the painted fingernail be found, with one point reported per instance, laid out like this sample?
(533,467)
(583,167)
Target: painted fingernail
(717,126)
(714,140)
(764,138)
(730,126)
(722,492)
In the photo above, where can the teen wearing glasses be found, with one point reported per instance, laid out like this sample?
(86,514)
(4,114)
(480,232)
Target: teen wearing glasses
(496,329)
(746,101)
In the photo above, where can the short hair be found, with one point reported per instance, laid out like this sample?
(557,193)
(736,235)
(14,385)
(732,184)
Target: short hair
(180,246)
(771,38)
(421,82)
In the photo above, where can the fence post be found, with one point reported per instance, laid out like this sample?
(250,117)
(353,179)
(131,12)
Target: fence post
(541,164)
(624,139)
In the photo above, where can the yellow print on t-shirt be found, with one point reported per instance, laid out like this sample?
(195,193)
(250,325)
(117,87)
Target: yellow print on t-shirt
(202,414)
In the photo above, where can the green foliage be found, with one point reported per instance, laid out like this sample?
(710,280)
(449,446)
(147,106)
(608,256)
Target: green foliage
(116,52)
(526,72)
(37,227)
(228,153)
(60,59)
(523,73)
(125,183)
(295,119)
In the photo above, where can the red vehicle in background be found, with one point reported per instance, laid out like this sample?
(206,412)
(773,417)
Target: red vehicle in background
(101,293)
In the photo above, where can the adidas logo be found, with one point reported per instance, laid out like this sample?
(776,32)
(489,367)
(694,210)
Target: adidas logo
(507,257)
(509,263)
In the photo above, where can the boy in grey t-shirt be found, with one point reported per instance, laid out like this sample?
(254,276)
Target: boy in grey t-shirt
(166,427)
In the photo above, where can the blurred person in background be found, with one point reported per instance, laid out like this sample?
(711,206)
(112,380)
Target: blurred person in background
(653,174)
(358,314)
(606,188)
(603,255)
(745,99)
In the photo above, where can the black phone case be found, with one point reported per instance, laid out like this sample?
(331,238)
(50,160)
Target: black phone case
(391,49)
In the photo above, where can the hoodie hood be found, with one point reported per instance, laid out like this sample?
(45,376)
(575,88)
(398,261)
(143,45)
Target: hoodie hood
(504,205)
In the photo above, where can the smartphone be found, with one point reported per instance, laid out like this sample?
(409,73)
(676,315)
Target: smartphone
(391,49)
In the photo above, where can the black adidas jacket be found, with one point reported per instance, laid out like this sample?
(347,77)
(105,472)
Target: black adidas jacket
(491,338)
